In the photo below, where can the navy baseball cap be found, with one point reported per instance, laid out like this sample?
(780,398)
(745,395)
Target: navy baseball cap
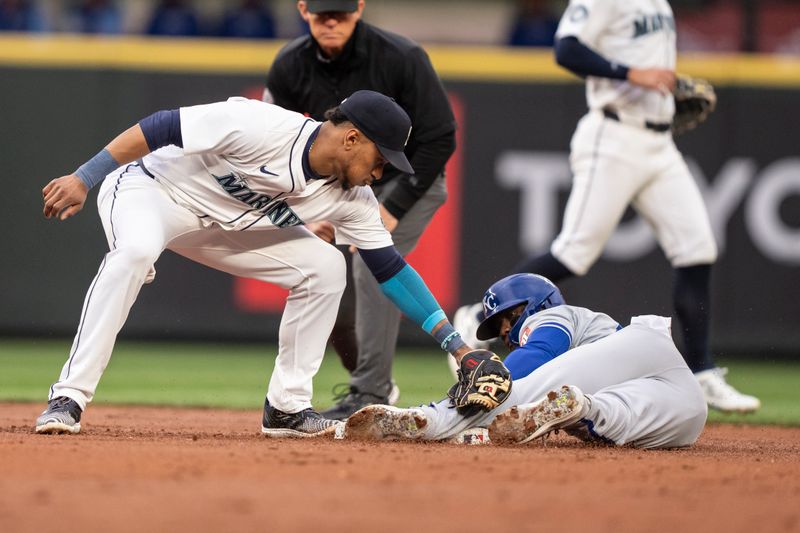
(383,122)
(325,6)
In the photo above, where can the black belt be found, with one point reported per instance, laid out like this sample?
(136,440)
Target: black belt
(144,168)
(655,126)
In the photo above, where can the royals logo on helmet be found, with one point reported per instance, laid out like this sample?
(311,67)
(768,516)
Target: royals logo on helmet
(489,302)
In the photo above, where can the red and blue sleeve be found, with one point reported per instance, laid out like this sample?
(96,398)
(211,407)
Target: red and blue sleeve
(544,344)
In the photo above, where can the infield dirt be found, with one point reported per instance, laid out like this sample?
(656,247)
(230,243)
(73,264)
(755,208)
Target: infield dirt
(158,469)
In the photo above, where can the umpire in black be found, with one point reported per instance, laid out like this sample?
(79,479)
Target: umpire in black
(316,72)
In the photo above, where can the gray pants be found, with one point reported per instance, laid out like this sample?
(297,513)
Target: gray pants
(377,320)
(641,390)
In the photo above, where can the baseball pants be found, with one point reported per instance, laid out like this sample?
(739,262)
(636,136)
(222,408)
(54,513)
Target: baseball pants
(615,165)
(642,393)
(141,220)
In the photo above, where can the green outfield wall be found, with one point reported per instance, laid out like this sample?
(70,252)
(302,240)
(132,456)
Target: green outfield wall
(64,97)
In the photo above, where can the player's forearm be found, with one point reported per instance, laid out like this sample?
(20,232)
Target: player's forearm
(126,147)
(408,292)
(458,349)
(578,58)
(162,128)
(159,129)
(406,289)
(129,145)
(659,79)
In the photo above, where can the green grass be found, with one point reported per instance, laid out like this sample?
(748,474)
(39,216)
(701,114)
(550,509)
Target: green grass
(775,383)
(236,376)
(208,374)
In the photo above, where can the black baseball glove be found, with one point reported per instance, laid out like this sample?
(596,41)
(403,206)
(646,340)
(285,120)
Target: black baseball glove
(483,383)
(695,99)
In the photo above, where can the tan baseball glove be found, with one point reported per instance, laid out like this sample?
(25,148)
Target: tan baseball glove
(484,382)
(695,99)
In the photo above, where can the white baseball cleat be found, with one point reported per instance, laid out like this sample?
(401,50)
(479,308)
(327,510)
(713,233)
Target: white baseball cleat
(721,396)
(522,423)
(466,322)
(394,394)
(385,422)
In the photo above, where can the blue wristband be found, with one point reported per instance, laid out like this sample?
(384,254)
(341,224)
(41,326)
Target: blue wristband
(449,339)
(97,168)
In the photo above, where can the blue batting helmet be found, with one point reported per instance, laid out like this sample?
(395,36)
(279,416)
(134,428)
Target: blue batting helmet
(536,292)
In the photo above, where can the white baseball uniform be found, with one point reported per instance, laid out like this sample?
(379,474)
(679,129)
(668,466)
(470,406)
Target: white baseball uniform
(620,161)
(233,198)
(641,391)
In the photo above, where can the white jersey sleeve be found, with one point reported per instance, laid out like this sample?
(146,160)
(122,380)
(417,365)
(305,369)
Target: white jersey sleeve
(362,226)
(237,125)
(586,20)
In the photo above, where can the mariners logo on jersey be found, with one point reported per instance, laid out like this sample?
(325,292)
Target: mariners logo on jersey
(237,187)
(646,24)
(279,213)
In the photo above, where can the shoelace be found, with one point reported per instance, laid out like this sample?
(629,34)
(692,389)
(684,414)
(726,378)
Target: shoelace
(61,401)
(340,391)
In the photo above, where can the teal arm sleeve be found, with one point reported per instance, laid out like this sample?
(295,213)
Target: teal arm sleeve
(410,294)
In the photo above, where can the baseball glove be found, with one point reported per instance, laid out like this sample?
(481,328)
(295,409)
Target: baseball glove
(483,383)
(695,99)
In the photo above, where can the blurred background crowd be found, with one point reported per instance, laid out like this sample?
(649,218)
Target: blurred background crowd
(767,26)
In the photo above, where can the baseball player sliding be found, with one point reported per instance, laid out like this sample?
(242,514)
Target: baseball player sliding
(230,185)
(573,369)
(622,153)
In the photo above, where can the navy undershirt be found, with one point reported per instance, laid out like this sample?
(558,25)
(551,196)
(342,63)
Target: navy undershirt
(307,170)
(583,61)
(162,128)
(384,263)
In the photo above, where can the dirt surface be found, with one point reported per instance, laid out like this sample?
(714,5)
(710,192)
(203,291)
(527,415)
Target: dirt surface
(157,469)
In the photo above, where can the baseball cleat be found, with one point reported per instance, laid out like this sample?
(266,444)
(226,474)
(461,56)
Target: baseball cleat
(304,424)
(466,322)
(352,402)
(522,423)
(63,415)
(721,396)
(394,394)
(385,422)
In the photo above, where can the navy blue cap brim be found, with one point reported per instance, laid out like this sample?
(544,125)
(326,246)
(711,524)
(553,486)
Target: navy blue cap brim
(397,159)
(332,6)
(489,327)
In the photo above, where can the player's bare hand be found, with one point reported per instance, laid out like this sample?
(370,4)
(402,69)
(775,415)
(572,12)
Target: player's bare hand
(322,229)
(64,197)
(389,220)
(657,79)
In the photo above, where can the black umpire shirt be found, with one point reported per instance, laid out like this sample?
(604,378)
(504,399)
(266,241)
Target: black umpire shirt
(303,80)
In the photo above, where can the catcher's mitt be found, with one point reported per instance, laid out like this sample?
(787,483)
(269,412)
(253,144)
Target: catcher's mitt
(483,383)
(695,99)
